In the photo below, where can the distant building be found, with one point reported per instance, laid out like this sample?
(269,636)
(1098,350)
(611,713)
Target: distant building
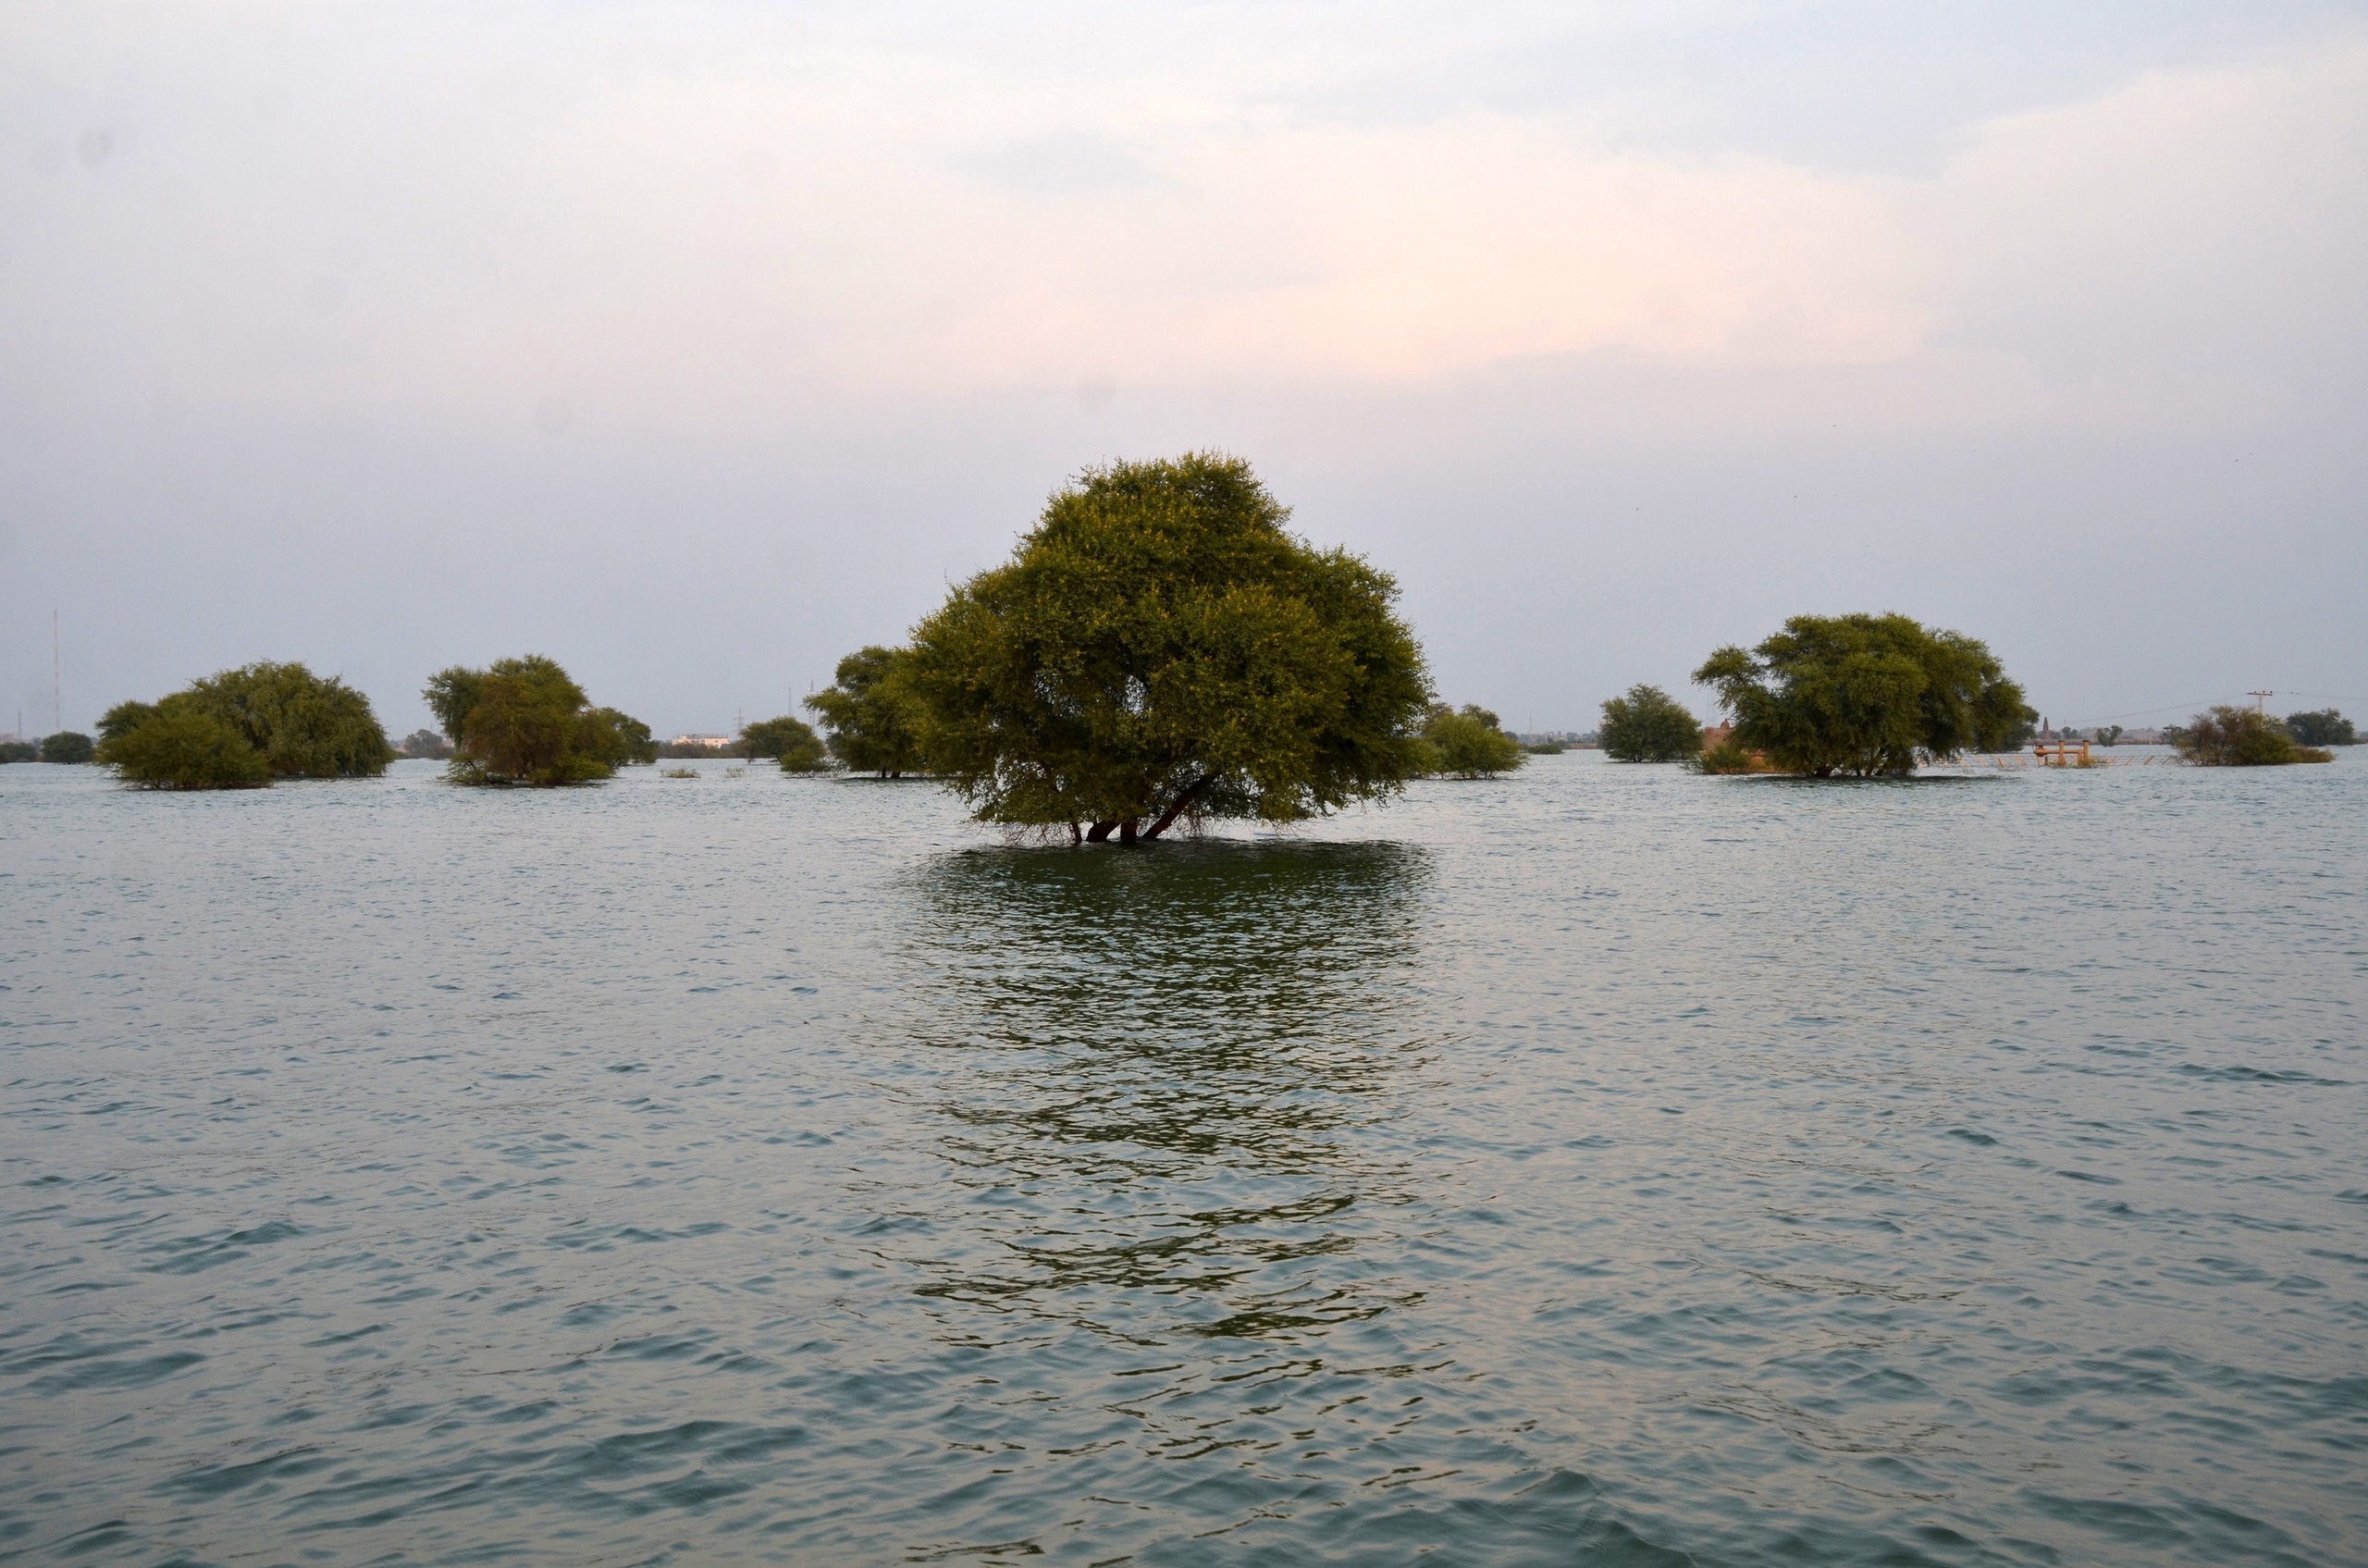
(713,743)
(1715,735)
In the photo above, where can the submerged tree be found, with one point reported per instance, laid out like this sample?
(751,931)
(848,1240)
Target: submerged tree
(1648,725)
(868,712)
(1468,743)
(183,746)
(2327,726)
(1160,649)
(238,728)
(790,741)
(2239,737)
(66,746)
(525,721)
(1864,696)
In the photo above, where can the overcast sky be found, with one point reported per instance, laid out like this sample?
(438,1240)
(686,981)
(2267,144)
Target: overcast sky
(698,345)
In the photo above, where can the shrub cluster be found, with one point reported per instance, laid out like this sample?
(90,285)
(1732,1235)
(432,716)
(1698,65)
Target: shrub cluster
(525,721)
(239,729)
(2239,737)
(1648,725)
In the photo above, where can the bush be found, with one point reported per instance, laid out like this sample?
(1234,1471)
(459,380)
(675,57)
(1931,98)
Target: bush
(1730,757)
(66,746)
(1864,696)
(305,726)
(525,721)
(2324,727)
(791,741)
(425,743)
(18,751)
(1648,725)
(1468,743)
(181,745)
(2238,737)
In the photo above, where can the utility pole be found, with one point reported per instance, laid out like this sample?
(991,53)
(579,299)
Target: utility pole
(2261,701)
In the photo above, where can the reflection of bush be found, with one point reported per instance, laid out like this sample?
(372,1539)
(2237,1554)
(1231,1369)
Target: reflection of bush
(1175,1043)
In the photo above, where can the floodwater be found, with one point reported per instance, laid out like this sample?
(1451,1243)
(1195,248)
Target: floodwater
(1598,1165)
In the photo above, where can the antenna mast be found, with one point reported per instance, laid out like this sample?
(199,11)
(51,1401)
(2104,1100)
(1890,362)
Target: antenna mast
(57,677)
(2261,701)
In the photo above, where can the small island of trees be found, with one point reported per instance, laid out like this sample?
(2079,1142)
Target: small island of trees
(1468,743)
(240,729)
(2243,737)
(525,721)
(1863,697)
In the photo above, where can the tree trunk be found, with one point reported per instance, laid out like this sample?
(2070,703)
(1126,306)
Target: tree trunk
(1099,832)
(1077,834)
(1191,793)
(1127,832)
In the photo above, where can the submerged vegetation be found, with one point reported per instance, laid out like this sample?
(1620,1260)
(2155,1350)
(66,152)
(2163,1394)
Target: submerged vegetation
(2239,737)
(1468,743)
(525,721)
(1864,696)
(239,729)
(70,746)
(869,714)
(1648,725)
(2324,727)
(1160,648)
(791,741)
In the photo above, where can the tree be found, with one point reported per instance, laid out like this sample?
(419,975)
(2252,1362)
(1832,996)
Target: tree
(1648,725)
(2239,737)
(66,746)
(185,745)
(1468,743)
(1864,696)
(19,751)
(296,724)
(2324,727)
(1160,648)
(868,712)
(525,721)
(428,744)
(791,741)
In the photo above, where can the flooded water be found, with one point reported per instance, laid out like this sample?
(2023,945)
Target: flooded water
(1601,1165)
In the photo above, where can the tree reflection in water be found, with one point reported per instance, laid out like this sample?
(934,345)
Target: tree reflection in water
(1158,1074)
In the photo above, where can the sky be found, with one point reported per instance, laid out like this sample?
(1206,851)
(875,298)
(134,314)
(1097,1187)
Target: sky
(698,345)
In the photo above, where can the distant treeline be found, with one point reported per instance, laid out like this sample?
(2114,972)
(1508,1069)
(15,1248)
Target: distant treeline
(1159,651)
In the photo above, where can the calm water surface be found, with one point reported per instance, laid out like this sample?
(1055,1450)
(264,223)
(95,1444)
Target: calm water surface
(1600,1166)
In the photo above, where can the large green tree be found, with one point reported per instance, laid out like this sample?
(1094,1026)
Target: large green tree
(527,722)
(2326,726)
(1160,649)
(867,714)
(66,746)
(1648,725)
(295,724)
(1468,743)
(1864,696)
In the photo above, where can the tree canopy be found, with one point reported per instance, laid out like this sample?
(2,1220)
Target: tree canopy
(1160,649)
(525,721)
(1468,743)
(1864,696)
(2327,726)
(1648,725)
(66,746)
(791,741)
(2239,737)
(868,712)
(238,728)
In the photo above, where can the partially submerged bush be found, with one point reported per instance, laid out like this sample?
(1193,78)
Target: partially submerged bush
(1730,756)
(2239,737)
(181,745)
(70,747)
(1864,696)
(791,741)
(280,719)
(524,722)
(869,714)
(1468,743)
(2324,727)
(1648,725)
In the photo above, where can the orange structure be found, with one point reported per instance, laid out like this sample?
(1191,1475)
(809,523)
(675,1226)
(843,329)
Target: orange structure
(2060,754)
